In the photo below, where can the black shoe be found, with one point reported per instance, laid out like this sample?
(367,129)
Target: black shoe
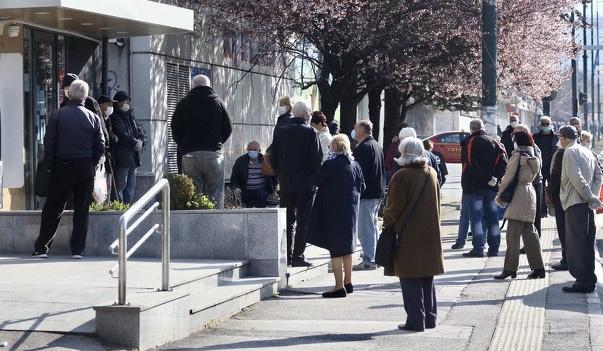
(522,251)
(457,246)
(335,294)
(300,262)
(469,234)
(537,274)
(349,288)
(473,253)
(577,290)
(560,266)
(505,274)
(39,255)
(407,328)
(492,253)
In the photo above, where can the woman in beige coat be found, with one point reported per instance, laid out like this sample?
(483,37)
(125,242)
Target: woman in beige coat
(521,211)
(413,212)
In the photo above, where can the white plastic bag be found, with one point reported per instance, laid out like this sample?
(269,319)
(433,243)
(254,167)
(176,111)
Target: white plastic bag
(100,185)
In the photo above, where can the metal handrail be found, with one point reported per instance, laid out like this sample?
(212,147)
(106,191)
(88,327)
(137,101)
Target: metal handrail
(121,243)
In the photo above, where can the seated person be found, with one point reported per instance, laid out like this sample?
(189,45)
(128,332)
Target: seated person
(247,176)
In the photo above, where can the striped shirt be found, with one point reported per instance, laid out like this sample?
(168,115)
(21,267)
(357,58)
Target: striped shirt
(255,179)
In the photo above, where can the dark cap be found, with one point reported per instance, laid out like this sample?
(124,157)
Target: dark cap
(69,78)
(104,99)
(568,132)
(121,96)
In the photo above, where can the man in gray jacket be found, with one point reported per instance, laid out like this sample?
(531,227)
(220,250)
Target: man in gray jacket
(580,183)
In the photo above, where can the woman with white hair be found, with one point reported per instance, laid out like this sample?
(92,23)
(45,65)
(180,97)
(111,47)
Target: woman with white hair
(335,212)
(412,213)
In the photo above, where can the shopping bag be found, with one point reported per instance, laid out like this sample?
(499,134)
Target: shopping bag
(100,185)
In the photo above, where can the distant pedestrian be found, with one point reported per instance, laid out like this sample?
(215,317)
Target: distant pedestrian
(432,160)
(106,108)
(296,158)
(200,126)
(576,122)
(369,155)
(506,137)
(580,184)
(484,161)
(285,105)
(247,176)
(442,167)
(73,145)
(390,163)
(521,211)
(334,216)
(90,103)
(412,212)
(547,141)
(319,123)
(127,149)
(553,194)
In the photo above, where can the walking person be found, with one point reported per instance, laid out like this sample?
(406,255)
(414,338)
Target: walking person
(335,212)
(73,145)
(369,155)
(247,176)
(580,184)
(296,158)
(127,148)
(484,161)
(412,212)
(547,140)
(319,123)
(553,195)
(200,126)
(523,166)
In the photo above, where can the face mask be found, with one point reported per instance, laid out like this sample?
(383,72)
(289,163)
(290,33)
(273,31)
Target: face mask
(353,134)
(545,130)
(125,108)
(109,111)
(253,154)
(282,110)
(514,124)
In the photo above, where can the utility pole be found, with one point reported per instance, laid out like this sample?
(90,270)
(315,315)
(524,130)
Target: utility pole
(489,108)
(598,85)
(592,71)
(574,71)
(585,65)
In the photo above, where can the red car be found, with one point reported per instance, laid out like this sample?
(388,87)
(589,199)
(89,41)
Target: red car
(447,146)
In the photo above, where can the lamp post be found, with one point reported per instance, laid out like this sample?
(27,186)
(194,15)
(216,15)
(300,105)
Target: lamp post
(585,65)
(574,71)
(489,108)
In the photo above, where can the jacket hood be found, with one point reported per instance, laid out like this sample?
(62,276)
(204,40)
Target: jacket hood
(202,93)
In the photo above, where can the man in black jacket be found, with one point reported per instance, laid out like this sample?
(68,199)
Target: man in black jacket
(73,145)
(369,155)
(484,163)
(296,158)
(247,176)
(126,151)
(507,135)
(200,126)
(547,140)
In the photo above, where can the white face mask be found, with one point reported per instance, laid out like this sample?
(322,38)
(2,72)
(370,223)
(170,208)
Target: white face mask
(282,110)
(109,111)
(125,108)
(514,124)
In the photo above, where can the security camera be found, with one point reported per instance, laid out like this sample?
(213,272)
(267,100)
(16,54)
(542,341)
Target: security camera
(13,30)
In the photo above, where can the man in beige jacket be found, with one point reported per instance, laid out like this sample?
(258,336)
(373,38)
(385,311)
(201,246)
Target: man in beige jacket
(580,183)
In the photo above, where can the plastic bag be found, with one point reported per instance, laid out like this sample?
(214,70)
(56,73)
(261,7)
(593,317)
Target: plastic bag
(99,193)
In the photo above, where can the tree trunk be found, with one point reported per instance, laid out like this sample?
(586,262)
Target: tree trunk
(375,111)
(348,112)
(393,114)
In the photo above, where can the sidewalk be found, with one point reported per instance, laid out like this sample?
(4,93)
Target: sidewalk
(476,312)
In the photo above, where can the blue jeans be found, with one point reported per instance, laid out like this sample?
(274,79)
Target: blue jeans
(254,198)
(483,206)
(125,182)
(463,221)
(367,228)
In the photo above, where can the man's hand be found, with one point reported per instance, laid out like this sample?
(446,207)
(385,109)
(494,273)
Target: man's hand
(138,145)
(493,182)
(102,160)
(595,203)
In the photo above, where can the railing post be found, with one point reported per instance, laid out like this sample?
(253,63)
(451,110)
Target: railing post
(165,236)
(123,251)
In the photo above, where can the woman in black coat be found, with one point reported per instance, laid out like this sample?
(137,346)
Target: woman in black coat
(335,212)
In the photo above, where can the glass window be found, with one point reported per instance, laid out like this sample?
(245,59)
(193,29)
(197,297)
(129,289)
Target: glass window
(451,139)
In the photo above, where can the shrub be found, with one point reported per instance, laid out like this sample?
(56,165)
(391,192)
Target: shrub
(114,206)
(183,195)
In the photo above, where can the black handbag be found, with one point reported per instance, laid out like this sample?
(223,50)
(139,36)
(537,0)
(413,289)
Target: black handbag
(387,245)
(506,195)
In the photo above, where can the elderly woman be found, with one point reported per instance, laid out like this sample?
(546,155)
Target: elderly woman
(319,123)
(412,213)
(335,212)
(521,211)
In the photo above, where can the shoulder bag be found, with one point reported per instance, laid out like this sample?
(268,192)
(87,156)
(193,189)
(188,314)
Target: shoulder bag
(506,195)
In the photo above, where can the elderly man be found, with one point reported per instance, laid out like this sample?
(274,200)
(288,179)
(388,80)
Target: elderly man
(247,176)
(547,140)
(580,183)
(73,146)
(369,155)
(484,163)
(296,158)
(200,126)
(506,139)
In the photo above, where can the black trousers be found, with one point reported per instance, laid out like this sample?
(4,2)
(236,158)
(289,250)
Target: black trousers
(560,221)
(70,178)
(537,220)
(298,207)
(580,234)
(420,302)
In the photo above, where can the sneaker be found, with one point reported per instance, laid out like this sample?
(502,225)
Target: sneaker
(39,255)
(365,266)
(457,246)
(77,257)
(473,253)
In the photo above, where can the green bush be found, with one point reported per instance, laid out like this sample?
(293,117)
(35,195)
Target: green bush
(183,195)
(114,206)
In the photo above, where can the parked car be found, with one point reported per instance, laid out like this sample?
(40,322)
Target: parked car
(447,145)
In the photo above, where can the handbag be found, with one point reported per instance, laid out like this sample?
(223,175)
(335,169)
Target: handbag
(506,195)
(388,245)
